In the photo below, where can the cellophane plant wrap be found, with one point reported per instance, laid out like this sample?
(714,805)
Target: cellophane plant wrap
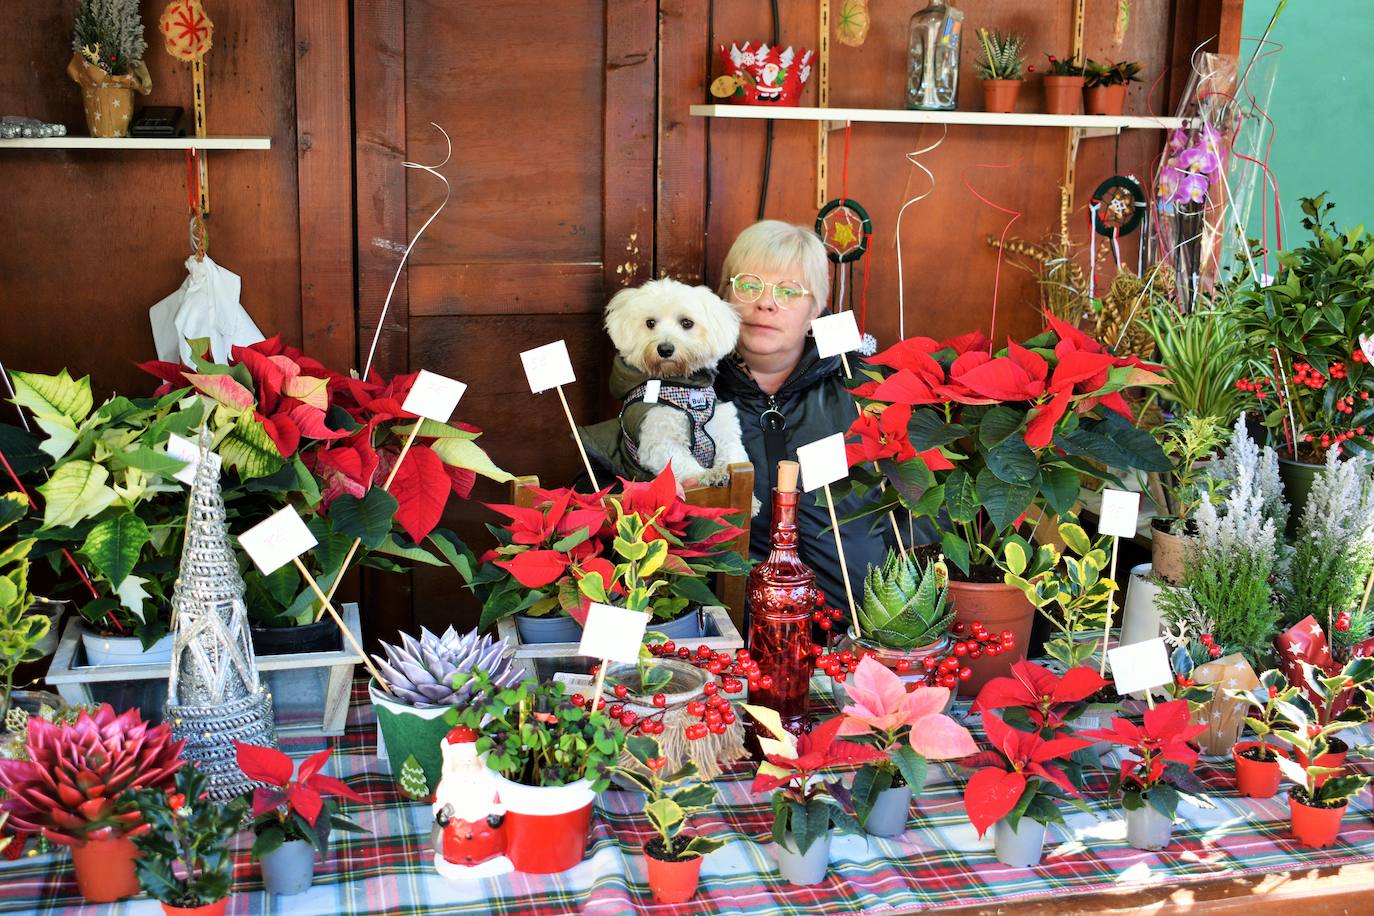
(992,435)
(69,787)
(1334,550)
(433,670)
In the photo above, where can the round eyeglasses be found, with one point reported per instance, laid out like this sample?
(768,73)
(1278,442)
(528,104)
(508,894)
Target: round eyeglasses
(750,287)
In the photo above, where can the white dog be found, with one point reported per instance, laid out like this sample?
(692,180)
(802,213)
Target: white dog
(673,334)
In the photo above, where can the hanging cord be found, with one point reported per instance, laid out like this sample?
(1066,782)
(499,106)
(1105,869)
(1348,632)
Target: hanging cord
(768,136)
(433,170)
(706,209)
(200,232)
(863,298)
(914,158)
(1001,248)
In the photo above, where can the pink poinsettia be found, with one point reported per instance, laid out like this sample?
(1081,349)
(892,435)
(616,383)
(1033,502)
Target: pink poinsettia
(883,707)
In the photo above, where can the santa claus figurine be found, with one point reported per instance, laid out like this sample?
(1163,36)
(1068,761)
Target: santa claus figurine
(471,819)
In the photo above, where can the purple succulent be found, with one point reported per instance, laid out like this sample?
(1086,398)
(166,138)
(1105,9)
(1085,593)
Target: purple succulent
(422,672)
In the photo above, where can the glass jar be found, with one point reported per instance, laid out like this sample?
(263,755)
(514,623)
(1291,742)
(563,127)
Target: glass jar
(888,658)
(932,76)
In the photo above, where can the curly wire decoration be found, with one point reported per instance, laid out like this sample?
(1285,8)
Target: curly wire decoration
(914,158)
(1001,247)
(448,191)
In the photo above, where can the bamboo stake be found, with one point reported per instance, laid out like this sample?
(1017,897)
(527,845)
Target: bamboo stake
(844,564)
(1111,607)
(891,515)
(572,424)
(348,635)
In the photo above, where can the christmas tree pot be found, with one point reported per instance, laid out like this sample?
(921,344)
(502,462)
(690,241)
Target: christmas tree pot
(209,909)
(671,880)
(410,733)
(289,869)
(547,827)
(1255,777)
(105,869)
(890,812)
(108,100)
(1146,828)
(804,869)
(999,607)
(1314,825)
(1022,847)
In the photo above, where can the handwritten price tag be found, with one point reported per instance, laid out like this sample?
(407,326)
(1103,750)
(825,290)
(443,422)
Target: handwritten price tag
(434,396)
(188,451)
(277,541)
(548,366)
(613,633)
(1120,513)
(1140,666)
(823,462)
(836,334)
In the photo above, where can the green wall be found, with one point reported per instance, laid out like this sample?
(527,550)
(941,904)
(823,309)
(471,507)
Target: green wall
(1322,105)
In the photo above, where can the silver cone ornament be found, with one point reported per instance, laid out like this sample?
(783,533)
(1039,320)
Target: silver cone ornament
(214,697)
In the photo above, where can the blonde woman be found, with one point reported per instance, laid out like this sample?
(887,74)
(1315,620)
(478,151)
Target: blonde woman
(777,276)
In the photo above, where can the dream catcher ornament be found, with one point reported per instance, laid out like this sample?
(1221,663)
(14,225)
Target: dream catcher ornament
(846,231)
(1120,207)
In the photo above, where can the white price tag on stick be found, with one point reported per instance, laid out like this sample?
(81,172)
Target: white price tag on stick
(823,462)
(1120,513)
(836,334)
(185,450)
(278,540)
(1140,666)
(434,396)
(613,633)
(548,366)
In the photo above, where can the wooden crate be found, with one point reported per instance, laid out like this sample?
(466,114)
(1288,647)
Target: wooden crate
(544,660)
(310,690)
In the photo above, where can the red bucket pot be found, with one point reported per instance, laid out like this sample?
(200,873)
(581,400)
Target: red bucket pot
(105,869)
(1256,778)
(1316,827)
(547,827)
(673,882)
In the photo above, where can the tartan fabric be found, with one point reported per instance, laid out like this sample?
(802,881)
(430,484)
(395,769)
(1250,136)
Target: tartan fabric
(940,862)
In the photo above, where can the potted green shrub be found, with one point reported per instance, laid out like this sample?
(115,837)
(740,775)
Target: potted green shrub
(1001,67)
(1257,762)
(1104,86)
(107,63)
(1324,786)
(806,807)
(1063,85)
(292,818)
(549,757)
(68,785)
(1308,321)
(995,437)
(1151,784)
(673,858)
(910,729)
(22,629)
(428,677)
(184,857)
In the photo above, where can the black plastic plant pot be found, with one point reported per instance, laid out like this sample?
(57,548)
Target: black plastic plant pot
(322,636)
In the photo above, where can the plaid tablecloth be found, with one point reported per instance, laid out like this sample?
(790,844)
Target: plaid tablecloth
(938,863)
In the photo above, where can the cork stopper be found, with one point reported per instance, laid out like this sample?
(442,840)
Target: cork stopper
(787,476)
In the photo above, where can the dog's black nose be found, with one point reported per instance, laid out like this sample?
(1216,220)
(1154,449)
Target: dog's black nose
(665,350)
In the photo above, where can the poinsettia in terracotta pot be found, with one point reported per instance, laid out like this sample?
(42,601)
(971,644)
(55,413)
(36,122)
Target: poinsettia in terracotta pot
(70,787)
(993,435)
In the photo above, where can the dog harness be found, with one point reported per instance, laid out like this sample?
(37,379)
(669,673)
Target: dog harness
(699,404)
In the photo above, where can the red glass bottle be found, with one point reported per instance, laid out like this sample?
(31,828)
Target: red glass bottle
(782,598)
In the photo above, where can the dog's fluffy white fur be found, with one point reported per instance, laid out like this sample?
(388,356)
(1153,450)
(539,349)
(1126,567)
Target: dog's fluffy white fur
(669,329)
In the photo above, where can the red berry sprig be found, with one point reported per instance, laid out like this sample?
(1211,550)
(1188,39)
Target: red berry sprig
(1213,648)
(1342,623)
(938,670)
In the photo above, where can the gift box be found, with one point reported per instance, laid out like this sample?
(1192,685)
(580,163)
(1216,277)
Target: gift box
(766,76)
(1305,641)
(1223,715)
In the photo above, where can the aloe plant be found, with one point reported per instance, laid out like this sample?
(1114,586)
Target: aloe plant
(906,606)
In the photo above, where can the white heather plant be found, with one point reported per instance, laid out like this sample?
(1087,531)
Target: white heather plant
(1335,549)
(1262,465)
(109,34)
(1228,577)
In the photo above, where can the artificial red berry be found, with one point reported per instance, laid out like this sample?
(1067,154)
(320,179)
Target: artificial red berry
(766,682)
(579,700)
(965,673)
(903,665)
(622,691)
(710,687)
(660,700)
(615,710)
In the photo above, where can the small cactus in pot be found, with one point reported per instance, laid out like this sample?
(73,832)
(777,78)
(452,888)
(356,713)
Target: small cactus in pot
(906,605)
(428,677)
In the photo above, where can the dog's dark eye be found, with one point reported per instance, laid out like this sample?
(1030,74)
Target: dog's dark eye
(650,323)
(686,324)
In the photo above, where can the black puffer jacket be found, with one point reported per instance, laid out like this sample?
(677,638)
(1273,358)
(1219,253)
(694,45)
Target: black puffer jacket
(813,403)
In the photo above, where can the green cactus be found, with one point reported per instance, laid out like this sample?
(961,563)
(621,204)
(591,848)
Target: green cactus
(906,606)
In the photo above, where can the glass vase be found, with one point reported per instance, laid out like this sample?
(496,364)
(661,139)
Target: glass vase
(932,76)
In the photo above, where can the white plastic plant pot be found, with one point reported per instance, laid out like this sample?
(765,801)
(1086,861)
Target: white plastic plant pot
(804,869)
(1141,617)
(890,812)
(1146,828)
(289,869)
(124,650)
(1022,847)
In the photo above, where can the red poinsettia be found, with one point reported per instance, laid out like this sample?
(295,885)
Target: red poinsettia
(1165,737)
(1046,697)
(304,794)
(1019,760)
(792,761)
(885,434)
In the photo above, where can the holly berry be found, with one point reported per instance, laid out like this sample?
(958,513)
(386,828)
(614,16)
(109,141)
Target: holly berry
(660,700)
(903,665)
(656,763)
(622,691)
(710,687)
(615,711)
(579,700)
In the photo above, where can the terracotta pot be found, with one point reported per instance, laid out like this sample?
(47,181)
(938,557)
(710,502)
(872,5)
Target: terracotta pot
(1332,758)
(1105,100)
(999,607)
(1063,94)
(547,827)
(1317,827)
(210,909)
(109,100)
(105,869)
(673,882)
(1255,778)
(1167,552)
(1000,95)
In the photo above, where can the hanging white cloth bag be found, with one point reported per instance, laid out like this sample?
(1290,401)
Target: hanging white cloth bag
(205,305)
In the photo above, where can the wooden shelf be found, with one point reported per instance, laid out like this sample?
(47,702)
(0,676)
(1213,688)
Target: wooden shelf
(119,143)
(902,116)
